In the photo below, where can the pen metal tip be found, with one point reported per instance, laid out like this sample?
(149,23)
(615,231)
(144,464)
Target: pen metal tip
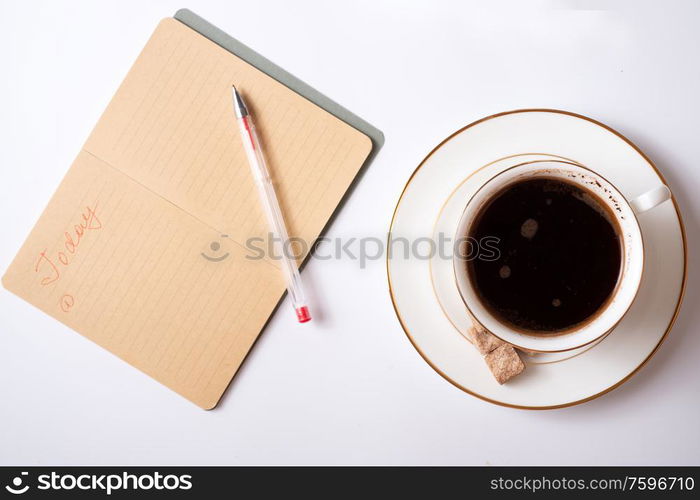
(238,104)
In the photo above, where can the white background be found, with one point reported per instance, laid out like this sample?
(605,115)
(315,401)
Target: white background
(347,388)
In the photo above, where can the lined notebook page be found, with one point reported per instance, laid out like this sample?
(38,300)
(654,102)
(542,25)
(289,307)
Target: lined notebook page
(171,127)
(134,281)
(131,252)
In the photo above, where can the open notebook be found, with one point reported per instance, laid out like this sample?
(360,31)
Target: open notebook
(142,247)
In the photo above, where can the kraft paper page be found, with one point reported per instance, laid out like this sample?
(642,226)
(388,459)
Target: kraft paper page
(122,252)
(170,126)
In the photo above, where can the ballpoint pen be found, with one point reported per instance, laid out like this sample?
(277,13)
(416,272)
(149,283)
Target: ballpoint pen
(268,197)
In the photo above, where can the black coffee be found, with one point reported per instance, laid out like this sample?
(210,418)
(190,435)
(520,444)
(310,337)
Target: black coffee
(560,255)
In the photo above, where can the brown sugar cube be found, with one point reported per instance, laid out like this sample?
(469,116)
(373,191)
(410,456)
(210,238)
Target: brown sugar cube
(483,340)
(504,363)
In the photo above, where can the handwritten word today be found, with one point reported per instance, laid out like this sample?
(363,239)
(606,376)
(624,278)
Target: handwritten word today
(50,265)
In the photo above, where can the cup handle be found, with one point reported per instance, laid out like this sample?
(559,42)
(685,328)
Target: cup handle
(650,199)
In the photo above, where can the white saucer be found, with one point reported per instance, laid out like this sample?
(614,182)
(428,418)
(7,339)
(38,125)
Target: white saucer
(424,293)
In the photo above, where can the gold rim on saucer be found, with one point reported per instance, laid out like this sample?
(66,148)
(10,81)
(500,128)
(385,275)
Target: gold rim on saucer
(680,294)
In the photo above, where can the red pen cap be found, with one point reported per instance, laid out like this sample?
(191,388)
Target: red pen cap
(303,314)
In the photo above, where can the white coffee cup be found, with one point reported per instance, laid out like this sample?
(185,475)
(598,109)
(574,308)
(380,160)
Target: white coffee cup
(632,255)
